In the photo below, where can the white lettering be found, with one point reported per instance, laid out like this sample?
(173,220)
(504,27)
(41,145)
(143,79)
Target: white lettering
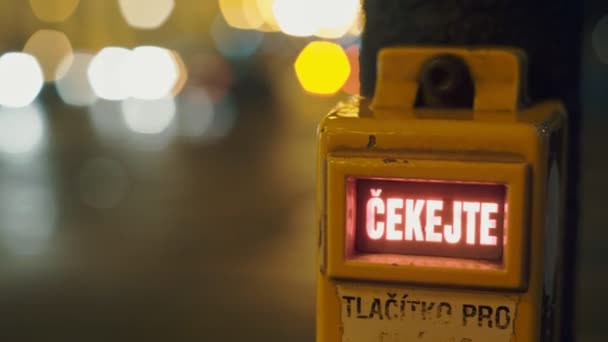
(432,220)
(471,208)
(375,192)
(375,206)
(413,227)
(393,218)
(453,233)
(398,219)
(488,223)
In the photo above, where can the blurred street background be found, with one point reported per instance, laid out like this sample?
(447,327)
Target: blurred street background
(157,166)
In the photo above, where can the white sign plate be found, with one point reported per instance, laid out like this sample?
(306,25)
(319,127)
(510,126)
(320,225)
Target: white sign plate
(389,314)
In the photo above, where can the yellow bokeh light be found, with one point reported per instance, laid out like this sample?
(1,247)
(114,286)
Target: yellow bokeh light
(182,73)
(242,14)
(270,22)
(51,48)
(146,14)
(322,67)
(53,10)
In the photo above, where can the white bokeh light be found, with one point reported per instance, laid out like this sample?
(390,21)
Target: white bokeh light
(209,124)
(146,14)
(296,17)
(153,73)
(74,87)
(109,73)
(599,39)
(28,217)
(146,72)
(195,112)
(148,116)
(336,17)
(20,79)
(327,19)
(21,129)
(107,122)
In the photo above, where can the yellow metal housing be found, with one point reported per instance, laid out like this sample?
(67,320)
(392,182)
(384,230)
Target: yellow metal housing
(497,141)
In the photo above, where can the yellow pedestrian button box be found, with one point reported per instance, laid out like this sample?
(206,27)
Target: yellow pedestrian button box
(440,204)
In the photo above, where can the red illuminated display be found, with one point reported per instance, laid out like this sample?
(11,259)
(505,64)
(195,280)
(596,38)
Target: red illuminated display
(430,218)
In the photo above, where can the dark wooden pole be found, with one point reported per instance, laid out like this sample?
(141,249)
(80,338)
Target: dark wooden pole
(550,33)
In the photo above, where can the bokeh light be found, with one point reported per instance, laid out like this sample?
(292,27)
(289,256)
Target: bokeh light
(74,87)
(146,72)
(242,14)
(50,48)
(153,142)
(146,14)
(352,84)
(153,73)
(233,43)
(326,19)
(20,79)
(211,72)
(109,121)
(195,112)
(322,67)
(148,116)
(358,24)
(599,39)
(21,129)
(224,119)
(102,183)
(297,17)
(267,13)
(27,217)
(53,10)
(336,17)
(109,73)
(108,124)
(182,73)
(200,119)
